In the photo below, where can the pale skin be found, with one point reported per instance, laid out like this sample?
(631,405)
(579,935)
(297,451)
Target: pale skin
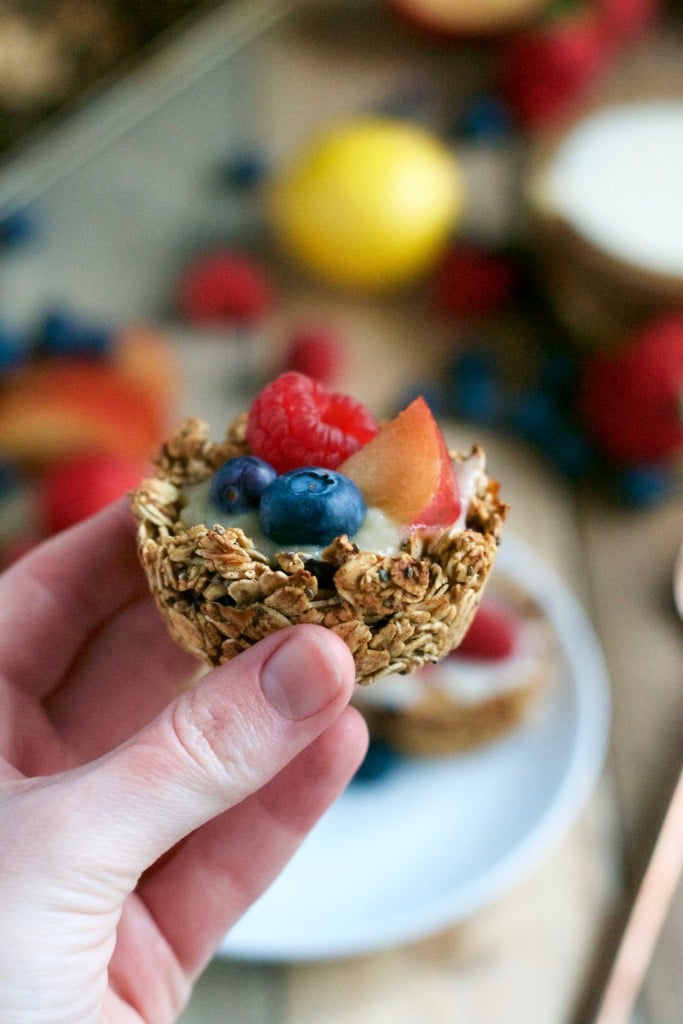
(139,818)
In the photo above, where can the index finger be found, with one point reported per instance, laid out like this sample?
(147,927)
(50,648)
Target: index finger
(55,597)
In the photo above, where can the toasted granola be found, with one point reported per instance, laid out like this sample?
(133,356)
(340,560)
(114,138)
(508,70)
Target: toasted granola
(219,594)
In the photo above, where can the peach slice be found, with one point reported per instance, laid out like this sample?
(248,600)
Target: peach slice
(57,407)
(146,355)
(406,470)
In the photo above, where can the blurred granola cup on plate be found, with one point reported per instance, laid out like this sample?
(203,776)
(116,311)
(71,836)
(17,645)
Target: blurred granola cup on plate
(221,587)
(486,688)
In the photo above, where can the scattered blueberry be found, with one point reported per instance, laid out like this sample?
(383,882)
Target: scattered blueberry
(10,477)
(536,414)
(243,171)
(558,372)
(16,228)
(484,119)
(379,760)
(475,388)
(13,352)
(238,484)
(63,335)
(571,453)
(644,486)
(311,506)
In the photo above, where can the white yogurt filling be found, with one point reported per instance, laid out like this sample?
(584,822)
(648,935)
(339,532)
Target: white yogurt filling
(377,533)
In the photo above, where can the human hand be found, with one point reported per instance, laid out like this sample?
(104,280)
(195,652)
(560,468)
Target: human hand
(139,819)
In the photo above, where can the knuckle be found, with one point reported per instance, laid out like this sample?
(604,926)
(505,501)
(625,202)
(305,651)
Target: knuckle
(211,739)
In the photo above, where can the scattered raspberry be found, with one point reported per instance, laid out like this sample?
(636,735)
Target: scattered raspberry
(628,20)
(547,68)
(492,635)
(472,281)
(80,485)
(224,287)
(295,421)
(631,399)
(317,353)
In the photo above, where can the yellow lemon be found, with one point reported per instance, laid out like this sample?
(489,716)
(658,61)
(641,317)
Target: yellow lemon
(368,204)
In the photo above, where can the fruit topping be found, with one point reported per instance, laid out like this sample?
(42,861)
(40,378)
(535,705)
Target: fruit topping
(407,471)
(296,421)
(238,484)
(311,505)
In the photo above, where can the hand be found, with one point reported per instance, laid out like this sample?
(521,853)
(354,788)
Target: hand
(138,818)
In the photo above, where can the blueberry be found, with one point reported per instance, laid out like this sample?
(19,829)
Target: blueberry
(244,170)
(10,478)
(570,451)
(536,414)
(311,506)
(644,486)
(379,761)
(63,335)
(476,388)
(485,119)
(16,228)
(238,484)
(13,352)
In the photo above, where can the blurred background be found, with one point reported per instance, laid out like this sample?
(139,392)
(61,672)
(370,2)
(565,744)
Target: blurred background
(479,203)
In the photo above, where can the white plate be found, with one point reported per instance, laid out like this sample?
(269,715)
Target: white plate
(435,840)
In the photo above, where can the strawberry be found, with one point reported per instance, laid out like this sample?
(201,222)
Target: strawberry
(547,68)
(492,635)
(631,399)
(295,421)
(224,287)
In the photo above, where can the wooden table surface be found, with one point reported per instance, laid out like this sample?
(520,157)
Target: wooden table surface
(125,190)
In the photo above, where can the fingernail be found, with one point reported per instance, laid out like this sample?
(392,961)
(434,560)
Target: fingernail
(299,679)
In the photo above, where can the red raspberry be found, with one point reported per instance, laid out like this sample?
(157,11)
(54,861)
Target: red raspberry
(295,421)
(631,399)
(628,20)
(549,67)
(316,352)
(224,287)
(492,635)
(472,282)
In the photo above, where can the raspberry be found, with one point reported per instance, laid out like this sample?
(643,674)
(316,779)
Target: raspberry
(630,399)
(548,68)
(224,287)
(316,352)
(472,282)
(295,421)
(492,636)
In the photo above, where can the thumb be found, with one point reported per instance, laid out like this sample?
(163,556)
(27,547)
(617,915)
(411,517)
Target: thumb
(209,749)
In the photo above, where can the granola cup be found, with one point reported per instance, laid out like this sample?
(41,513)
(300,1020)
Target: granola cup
(219,595)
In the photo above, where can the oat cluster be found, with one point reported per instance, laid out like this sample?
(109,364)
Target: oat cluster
(219,594)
